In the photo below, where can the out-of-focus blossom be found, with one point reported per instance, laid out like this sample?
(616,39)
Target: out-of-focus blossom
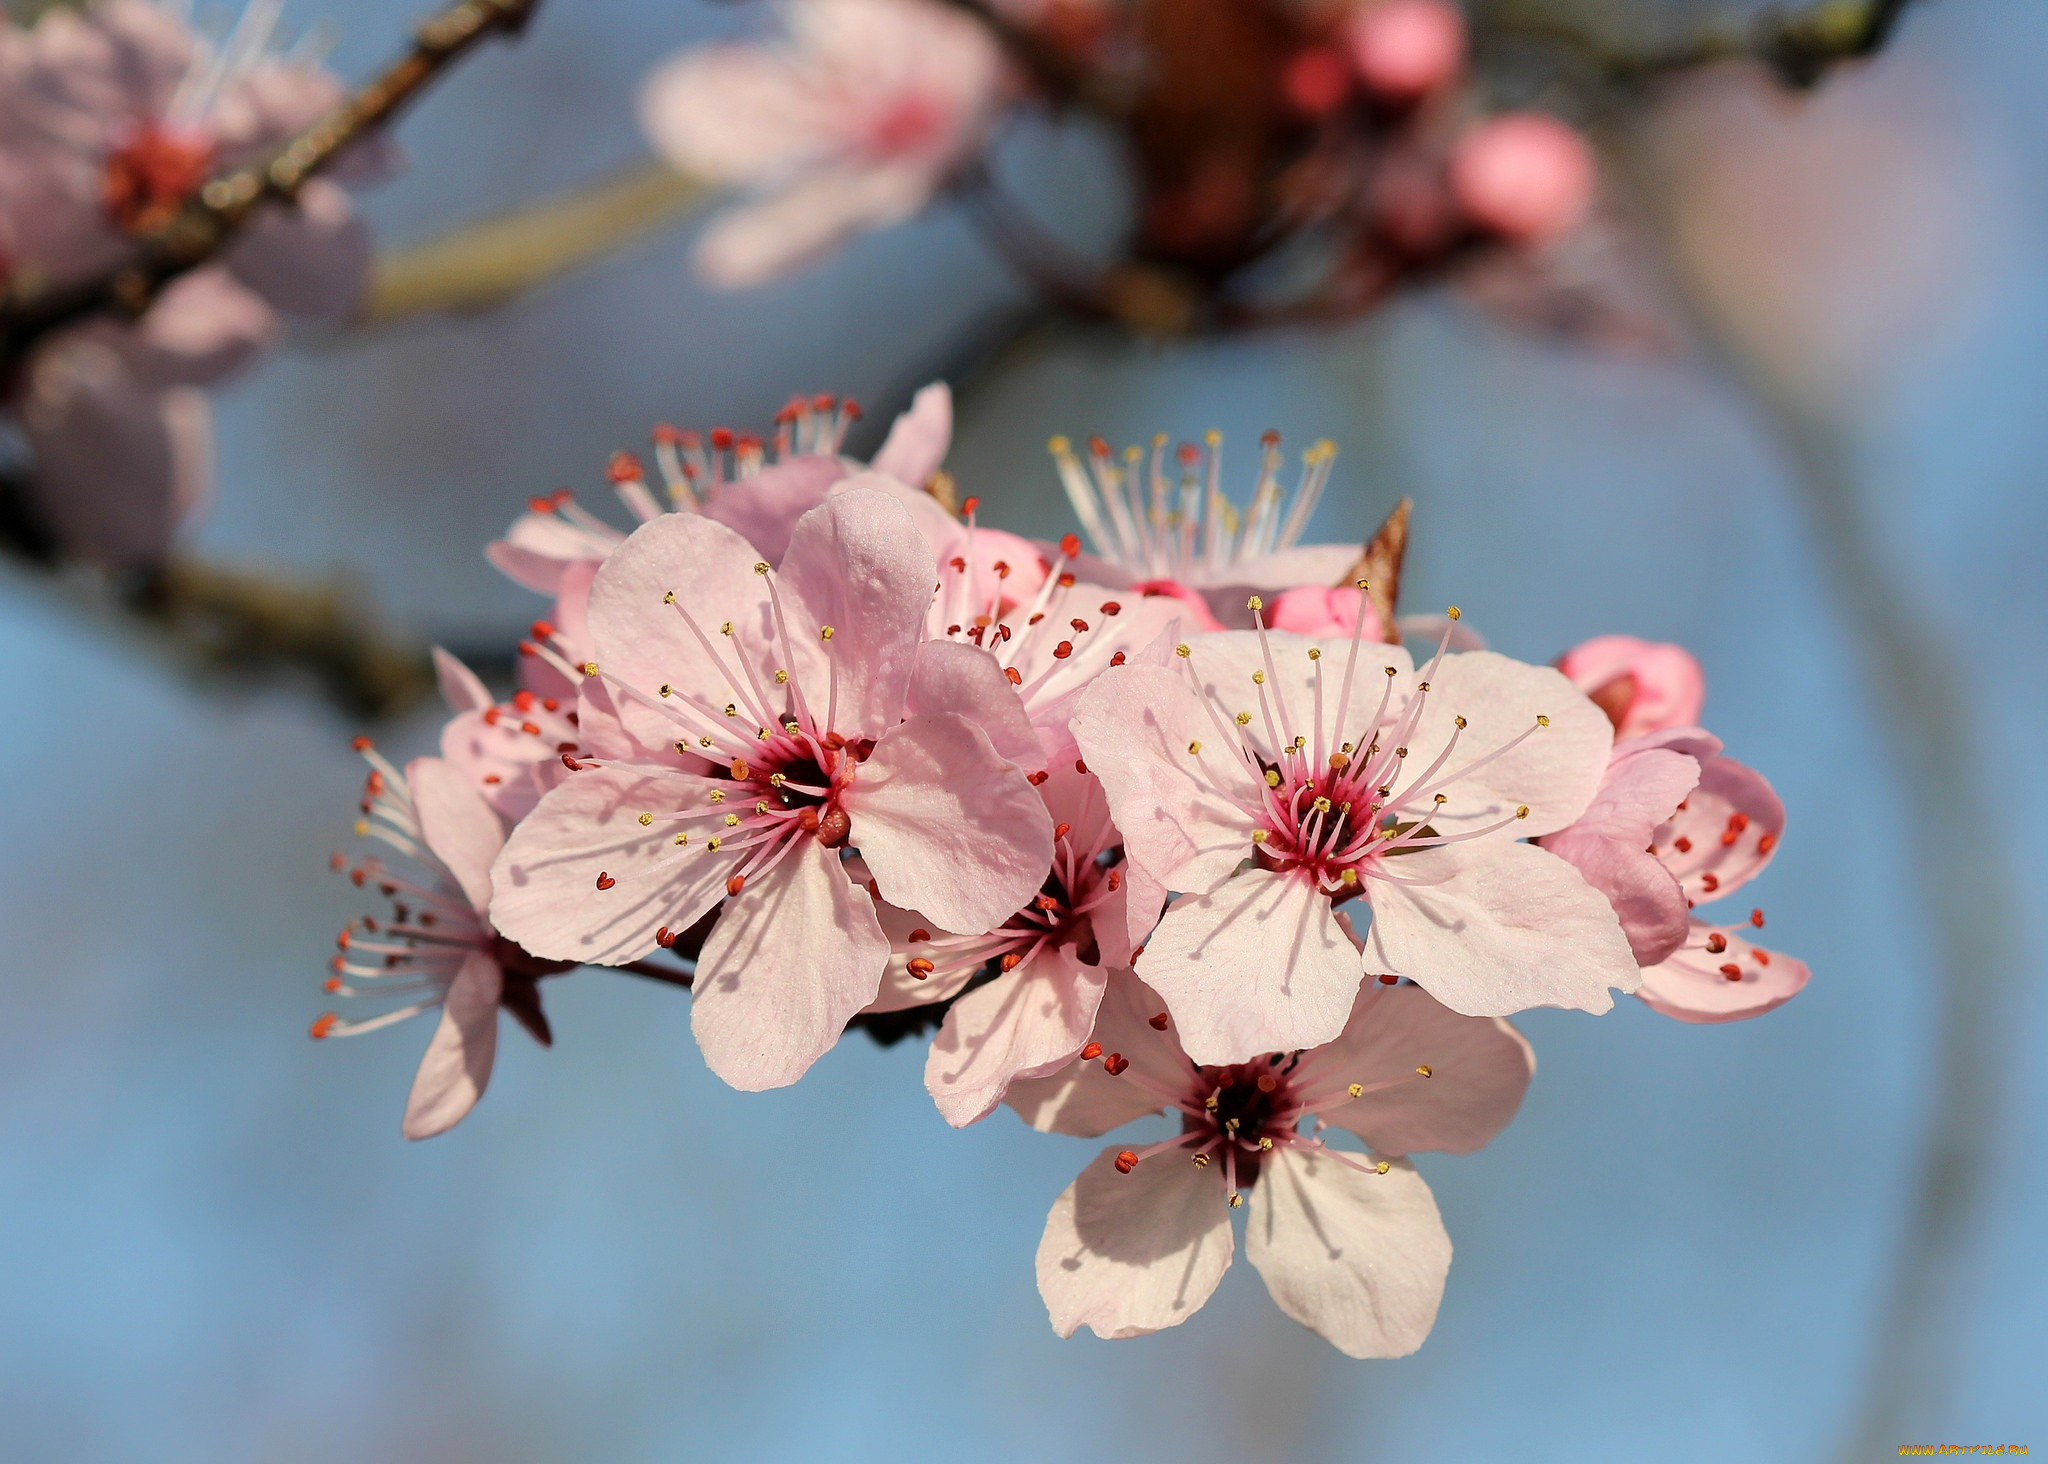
(762,725)
(111,118)
(1643,686)
(1405,49)
(438,950)
(1525,176)
(1292,787)
(853,122)
(1348,1244)
(1171,530)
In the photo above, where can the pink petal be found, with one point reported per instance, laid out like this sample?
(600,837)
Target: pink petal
(1508,927)
(459,827)
(511,770)
(1730,826)
(859,565)
(792,959)
(1609,844)
(1127,1254)
(731,114)
(1134,727)
(1692,984)
(1084,1098)
(764,509)
(1257,965)
(1028,1022)
(545,891)
(1316,610)
(754,243)
(952,676)
(955,962)
(949,826)
(1359,1258)
(917,441)
(460,687)
(457,1065)
(1226,664)
(1646,686)
(1479,1069)
(202,329)
(312,260)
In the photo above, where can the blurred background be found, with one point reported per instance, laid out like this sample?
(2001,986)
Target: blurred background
(217,1247)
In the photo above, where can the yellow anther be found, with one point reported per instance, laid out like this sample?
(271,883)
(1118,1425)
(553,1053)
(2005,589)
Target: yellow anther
(1356,1090)
(1258,678)
(703,741)
(1201,1161)
(590,668)
(762,735)
(776,780)
(1314,654)
(1442,799)
(1236,1199)
(1459,723)
(681,839)
(826,632)
(1453,612)
(1244,719)
(669,598)
(1272,777)
(760,566)
(646,819)
(1522,812)
(1210,1103)
(732,820)
(362,828)
(725,628)
(1058,444)
(1195,747)
(1321,805)
(1382,1167)
(1426,1070)
(718,795)
(1255,603)
(1391,671)
(667,690)
(1300,743)
(1348,746)
(1183,650)
(1213,437)
(1230,1124)
(682,746)
(762,806)
(731,710)
(1265,1144)
(782,678)
(1350,877)
(714,843)
(1259,836)
(1541,720)
(1400,752)
(1422,686)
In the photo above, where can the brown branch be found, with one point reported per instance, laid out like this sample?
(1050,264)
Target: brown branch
(219,212)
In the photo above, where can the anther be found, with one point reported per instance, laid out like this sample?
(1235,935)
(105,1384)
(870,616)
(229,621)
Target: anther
(1267,1083)
(1011,960)
(605,881)
(322,1025)
(1201,1161)
(1236,1199)
(1522,810)
(760,566)
(1157,1023)
(1426,1070)
(1382,1167)
(1356,1090)
(646,819)
(1732,971)
(1060,831)
(1183,650)
(826,632)
(1092,1051)
(1115,1063)
(1541,720)
(1126,1161)
(1452,612)
(1265,1144)
(1716,943)
(921,967)
(1194,747)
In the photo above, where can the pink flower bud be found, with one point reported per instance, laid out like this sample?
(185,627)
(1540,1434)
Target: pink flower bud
(1524,176)
(1316,611)
(1407,48)
(1643,686)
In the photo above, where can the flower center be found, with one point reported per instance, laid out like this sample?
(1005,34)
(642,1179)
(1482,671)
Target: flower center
(149,177)
(910,123)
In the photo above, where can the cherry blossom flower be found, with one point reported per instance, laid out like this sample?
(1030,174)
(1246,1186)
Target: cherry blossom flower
(512,751)
(1161,530)
(1348,1244)
(1643,686)
(1291,805)
(438,951)
(758,763)
(853,123)
(1048,964)
(1523,175)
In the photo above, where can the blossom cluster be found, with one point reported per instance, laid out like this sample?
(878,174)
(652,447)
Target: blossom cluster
(1174,824)
(112,117)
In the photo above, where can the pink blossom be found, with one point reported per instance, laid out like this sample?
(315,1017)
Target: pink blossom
(1348,1244)
(743,772)
(1291,805)
(438,951)
(853,123)
(1404,49)
(1318,610)
(1525,176)
(1169,528)
(1643,686)
(1052,960)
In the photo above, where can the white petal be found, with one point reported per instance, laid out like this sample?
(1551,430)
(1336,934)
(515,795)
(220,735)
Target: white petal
(457,1065)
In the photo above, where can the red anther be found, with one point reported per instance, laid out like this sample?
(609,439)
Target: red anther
(808,820)
(958,563)
(337,862)
(1682,844)
(605,881)
(1126,1161)
(1036,618)
(1269,438)
(492,780)
(920,934)
(334,964)
(1716,943)
(834,827)
(920,967)
(1070,545)
(1112,607)
(322,1025)
(790,410)
(1187,452)
(824,401)
(358,877)
(1060,831)
(1115,880)
(1117,659)
(737,883)
(491,715)
(721,438)
(1003,633)
(1011,961)
(1767,843)
(1728,838)
(1756,918)
(1097,446)
(523,700)
(374,784)
(1158,1023)
(551,704)
(1092,1051)
(1267,1083)
(1080,765)
(970,507)
(359,744)
(528,648)
(331,985)
(1037,779)
(1710,881)
(851,408)
(541,505)
(1063,650)
(530,729)
(565,747)
(1080,625)
(834,741)
(1016,676)
(664,433)
(1045,902)
(1066,582)
(1115,1063)
(665,938)
(1732,971)
(1389,980)
(625,468)
(1761,956)
(1738,821)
